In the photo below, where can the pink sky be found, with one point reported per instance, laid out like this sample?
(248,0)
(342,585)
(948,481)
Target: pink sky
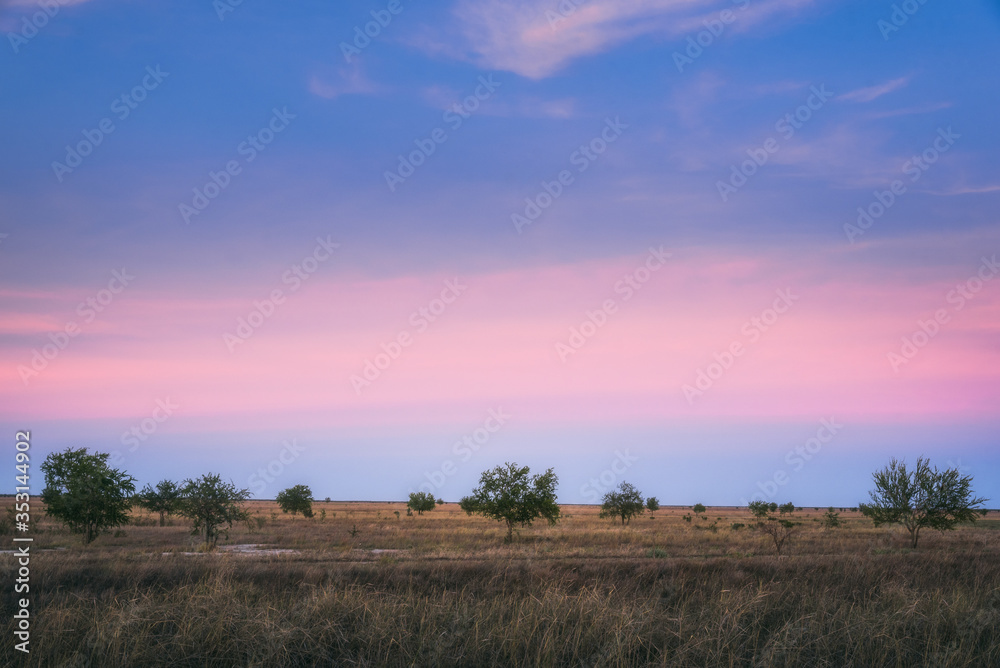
(496,345)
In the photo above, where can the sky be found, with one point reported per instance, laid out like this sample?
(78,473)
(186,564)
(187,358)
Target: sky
(722,250)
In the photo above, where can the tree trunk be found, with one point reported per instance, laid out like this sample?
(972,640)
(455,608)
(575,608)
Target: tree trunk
(163,520)
(510,531)
(914,536)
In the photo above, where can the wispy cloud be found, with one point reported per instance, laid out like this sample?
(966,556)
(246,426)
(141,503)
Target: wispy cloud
(968,190)
(874,92)
(34,3)
(521,36)
(347,81)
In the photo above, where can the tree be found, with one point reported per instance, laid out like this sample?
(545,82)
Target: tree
(211,503)
(831,519)
(777,527)
(421,501)
(296,499)
(923,497)
(623,502)
(86,494)
(698,509)
(509,494)
(652,504)
(163,499)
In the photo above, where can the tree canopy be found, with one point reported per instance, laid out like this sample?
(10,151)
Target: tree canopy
(213,506)
(86,494)
(162,499)
(421,501)
(297,499)
(624,502)
(922,497)
(510,494)
(778,527)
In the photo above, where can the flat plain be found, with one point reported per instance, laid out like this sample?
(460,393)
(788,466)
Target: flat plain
(363,584)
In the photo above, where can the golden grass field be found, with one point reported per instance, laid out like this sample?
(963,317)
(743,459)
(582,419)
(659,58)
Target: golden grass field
(365,587)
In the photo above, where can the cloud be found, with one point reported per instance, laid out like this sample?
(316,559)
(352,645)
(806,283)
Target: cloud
(348,81)
(968,190)
(34,3)
(910,111)
(535,39)
(529,106)
(873,92)
(23,9)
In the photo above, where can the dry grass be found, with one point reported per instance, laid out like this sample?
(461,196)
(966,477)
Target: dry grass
(582,593)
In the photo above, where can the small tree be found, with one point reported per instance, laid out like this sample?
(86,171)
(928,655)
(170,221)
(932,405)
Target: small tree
(831,519)
(698,509)
(213,504)
(624,502)
(86,494)
(163,499)
(923,497)
(509,494)
(421,501)
(777,527)
(297,499)
(652,505)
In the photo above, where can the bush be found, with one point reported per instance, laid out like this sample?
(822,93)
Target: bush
(831,519)
(777,527)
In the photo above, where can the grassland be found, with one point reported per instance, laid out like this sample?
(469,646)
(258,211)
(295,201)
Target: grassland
(365,587)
